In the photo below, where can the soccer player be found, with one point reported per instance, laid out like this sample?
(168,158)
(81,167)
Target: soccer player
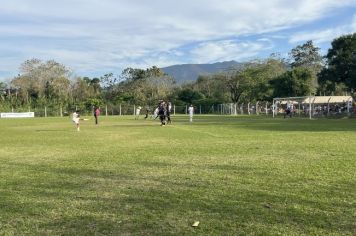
(137,115)
(96,114)
(191,112)
(75,119)
(147,112)
(155,113)
(162,112)
(169,108)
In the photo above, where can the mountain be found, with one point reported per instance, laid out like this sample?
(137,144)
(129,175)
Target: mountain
(190,72)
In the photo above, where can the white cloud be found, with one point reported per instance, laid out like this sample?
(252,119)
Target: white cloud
(112,34)
(227,50)
(353,24)
(326,35)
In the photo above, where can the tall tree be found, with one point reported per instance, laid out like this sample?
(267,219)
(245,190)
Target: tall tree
(341,65)
(41,81)
(238,85)
(308,56)
(144,86)
(259,76)
(189,96)
(294,83)
(2,91)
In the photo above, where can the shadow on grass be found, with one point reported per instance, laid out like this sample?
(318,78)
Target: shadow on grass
(256,123)
(51,130)
(82,201)
(278,124)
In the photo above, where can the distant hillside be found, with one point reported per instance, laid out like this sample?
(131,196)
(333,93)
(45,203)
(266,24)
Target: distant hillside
(190,72)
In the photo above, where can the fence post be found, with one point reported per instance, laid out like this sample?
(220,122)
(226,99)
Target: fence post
(266,108)
(174,109)
(120,109)
(186,109)
(200,109)
(106,110)
(310,108)
(273,108)
(299,108)
(248,108)
(45,111)
(134,110)
(60,111)
(257,111)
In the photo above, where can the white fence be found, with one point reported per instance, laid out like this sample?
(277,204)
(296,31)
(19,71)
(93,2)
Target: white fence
(255,108)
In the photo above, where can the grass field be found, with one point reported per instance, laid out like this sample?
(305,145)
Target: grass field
(235,175)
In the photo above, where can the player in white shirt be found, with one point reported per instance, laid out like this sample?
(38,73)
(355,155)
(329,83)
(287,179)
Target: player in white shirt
(191,112)
(75,119)
(137,114)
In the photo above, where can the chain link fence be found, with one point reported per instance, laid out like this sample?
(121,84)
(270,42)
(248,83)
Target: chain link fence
(257,108)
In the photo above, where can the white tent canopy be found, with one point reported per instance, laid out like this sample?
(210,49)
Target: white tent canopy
(313,100)
(329,99)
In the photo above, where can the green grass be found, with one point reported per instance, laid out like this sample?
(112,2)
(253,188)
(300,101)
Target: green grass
(235,175)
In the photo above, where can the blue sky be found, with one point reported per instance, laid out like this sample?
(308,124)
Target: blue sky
(94,37)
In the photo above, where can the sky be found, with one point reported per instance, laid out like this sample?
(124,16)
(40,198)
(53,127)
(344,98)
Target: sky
(95,37)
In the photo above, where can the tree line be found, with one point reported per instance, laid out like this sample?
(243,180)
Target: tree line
(305,71)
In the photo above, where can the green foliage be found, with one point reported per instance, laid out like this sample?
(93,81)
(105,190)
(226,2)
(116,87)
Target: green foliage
(144,86)
(308,56)
(297,82)
(213,88)
(341,65)
(260,75)
(41,81)
(50,83)
(190,96)
(93,102)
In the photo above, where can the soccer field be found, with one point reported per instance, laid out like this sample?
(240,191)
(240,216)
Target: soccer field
(235,175)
